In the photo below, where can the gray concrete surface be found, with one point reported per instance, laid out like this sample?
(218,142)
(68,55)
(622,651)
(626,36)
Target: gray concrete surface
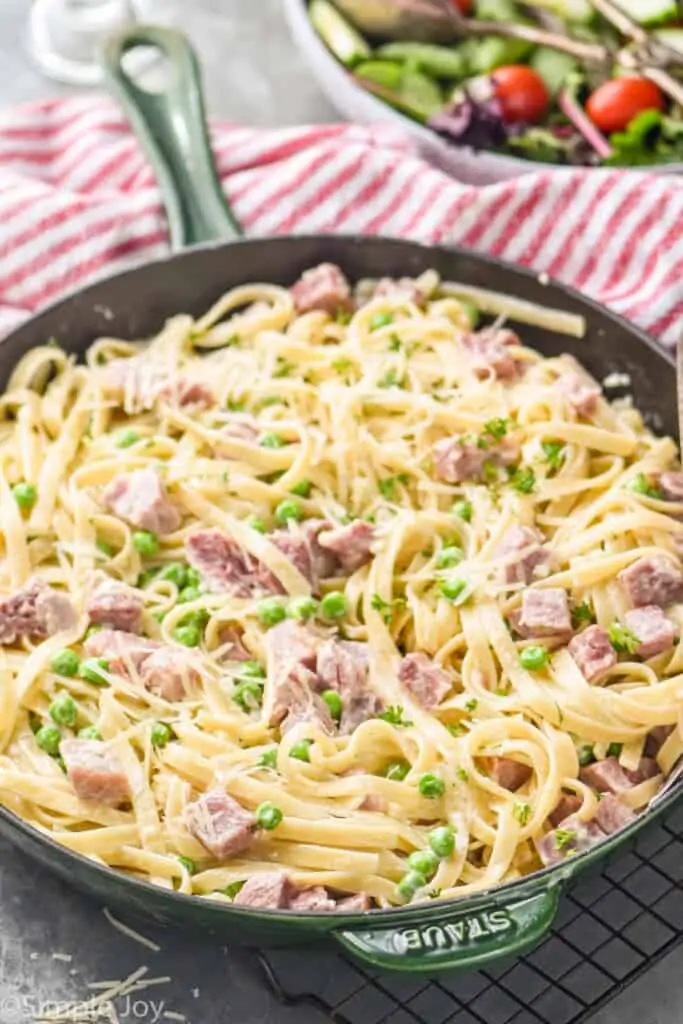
(54,942)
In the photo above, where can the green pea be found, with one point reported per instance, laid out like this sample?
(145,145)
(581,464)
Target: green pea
(257,524)
(252,670)
(288,510)
(249,695)
(93,671)
(463,509)
(268,758)
(448,557)
(270,611)
(189,865)
(272,441)
(302,489)
(189,635)
(65,663)
(302,608)
(333,605)
(381,320)
(174,572)
(25,495)
(586,755)
(48,739)
(89,732)
(453,589)
(615,749)
(127,438)
(397,771)
(188,594)
(301,750)
(410,883)
(334,703)
(425,862)
(161,734)
(199,618)
(534,658)
(63,711)
(145,543)
(268,816)
(193,577)
(431,785)
(442,841)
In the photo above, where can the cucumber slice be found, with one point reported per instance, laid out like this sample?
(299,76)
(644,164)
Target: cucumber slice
(493,52)
(339,35)
(572,10)
(650,12)
(553,66)
(384,72)
(671,37)
(438,61)
(497,10)
(420,91)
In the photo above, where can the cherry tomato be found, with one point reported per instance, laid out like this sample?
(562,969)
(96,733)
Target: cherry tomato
(464,6)
(614,104)
(522,93)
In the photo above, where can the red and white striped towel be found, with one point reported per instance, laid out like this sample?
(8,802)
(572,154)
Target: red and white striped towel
(78,199)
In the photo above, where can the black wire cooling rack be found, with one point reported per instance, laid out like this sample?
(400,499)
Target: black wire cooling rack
(610,929)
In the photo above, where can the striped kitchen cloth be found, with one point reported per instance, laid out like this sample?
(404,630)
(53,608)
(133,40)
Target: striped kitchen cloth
(78,200)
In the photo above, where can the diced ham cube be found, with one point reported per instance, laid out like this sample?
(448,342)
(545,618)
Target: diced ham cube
(141,499)
(359,903)
(324,288)
(312,900)
(491,356)
(656,738)
(220,824)
(324,562)
(523,556)
(116,605)
(508,773)
(295,546)
(426,681)
(593,652)
(231,638)
(95,772)
(35,610)
(181,391)
(351,545)
(344,665)
(125,652)
(671,486)
(402,288)
(169,673)
(653,580)
(272,889)
(545,613)
(571,837)
(608,776)
(613,814)
(290,696)
(225,567)
(566,806)
(581,392)
(140,383)
(656,633)
(458,460)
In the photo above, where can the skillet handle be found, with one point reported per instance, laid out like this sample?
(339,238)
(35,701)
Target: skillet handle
(456,939)
(172,128)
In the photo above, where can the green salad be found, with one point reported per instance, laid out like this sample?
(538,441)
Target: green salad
(579,82)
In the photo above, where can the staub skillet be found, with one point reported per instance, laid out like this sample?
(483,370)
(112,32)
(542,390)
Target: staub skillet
(469,932)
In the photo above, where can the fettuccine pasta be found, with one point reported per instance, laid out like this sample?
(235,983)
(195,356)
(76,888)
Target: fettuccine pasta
(366,600)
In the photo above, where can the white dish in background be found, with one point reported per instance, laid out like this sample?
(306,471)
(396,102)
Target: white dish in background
(356,104)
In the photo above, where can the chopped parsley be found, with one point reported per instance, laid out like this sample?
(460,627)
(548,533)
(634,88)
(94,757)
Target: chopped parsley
(523,480)
(342,364)
(387,608)
(623,640)
(472,705)
(496,429)
(640,484)
(522,813)
(394,716)
(563,837)
(554,452)
(283,368)
(232,890)
(582,615)
(462,774)
(381,320)
(456,729)
(615,749)
(395,343)
(391,379)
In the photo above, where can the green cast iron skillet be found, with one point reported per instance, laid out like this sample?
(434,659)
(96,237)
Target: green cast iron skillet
(429,937)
